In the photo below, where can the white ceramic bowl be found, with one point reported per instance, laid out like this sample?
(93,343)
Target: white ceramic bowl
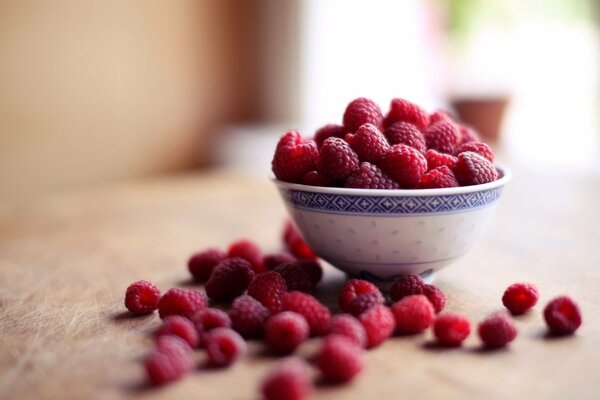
(381,235)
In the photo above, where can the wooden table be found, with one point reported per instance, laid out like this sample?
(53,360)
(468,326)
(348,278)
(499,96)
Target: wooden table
(66,260)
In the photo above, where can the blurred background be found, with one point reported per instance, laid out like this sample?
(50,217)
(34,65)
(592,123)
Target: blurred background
(102,91)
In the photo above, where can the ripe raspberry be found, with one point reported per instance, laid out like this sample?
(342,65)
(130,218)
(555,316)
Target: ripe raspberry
(294,157)
(562,316)
(268,288)
(295,277)
(406,286)
(404,111)
(451,329)
(337,160)
(406,133)
(179,326)
(352,289)
(369,176)
(473,169)
(362,111)
(180,301)
(520,297)
(248,316)
(369,144)
(327,131)
(286,331)
(223,346)
(170,361)
(229,279)
(295,244)
(467,134)
(379,324)
(436,159)
(363,302)
(350,327)
(272,260)
(480,148)
(440,115)
(312,268)
(315,178)
(436,297)
(413,314)
(405,165)
(249,251)
(442,136)
(142,297)
(316,314)
(339,359)
(440,177)
(497,330)
(289,380)
(201,264)
(211,318)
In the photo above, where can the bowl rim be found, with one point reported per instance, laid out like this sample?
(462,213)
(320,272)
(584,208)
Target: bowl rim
(505,173)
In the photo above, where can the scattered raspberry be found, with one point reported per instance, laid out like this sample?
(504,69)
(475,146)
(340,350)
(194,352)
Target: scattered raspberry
(436,297)
(170,361)
(480,148)
(352,289)
(249,251)
(295,277)
(436,159)
(407,286)
(312,268)
(379,324)
(349,326)
(451,329)
(406,133)
(497,330)
(286,331)
(295,244)
(229,279)
(293,157)
(413,314)
(179,326)
(362,111)
(142,297)
(405,165)
(272,260)
(315,178)
(211,318)
(201,264)
(223,346)
(289,380)
(327,131)
(442,136)
(339,359)
(440,115)
(562,316)
(316,314)
(369,144)
(467,134)
(520,297)
(440,177)
(369,176)
(248,316)
(404,111)
(363,302)
(180,301)
(337,160)
(268,288)
(473,169)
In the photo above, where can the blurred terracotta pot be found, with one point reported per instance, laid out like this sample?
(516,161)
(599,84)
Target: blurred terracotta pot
(483,113)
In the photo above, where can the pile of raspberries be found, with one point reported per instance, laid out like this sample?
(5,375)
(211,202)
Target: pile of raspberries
(405,149)
(251,295)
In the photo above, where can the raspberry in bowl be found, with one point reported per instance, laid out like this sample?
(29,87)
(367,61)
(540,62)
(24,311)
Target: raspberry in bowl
(405,194)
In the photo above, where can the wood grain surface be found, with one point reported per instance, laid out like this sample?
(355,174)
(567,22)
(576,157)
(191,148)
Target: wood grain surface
(66,260)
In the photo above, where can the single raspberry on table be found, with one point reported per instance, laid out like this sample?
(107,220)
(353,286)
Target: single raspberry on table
(317,315)
(201,264)
(349,326)
(248,316)
(312,268)
(440,177)
(497,330)
(336,159)
(363,302)
(467,134)
(436,159)
(142,297)
(316,178)
(404,111)
(223,346)
(413,314)
(273,260)
(295,277)
(294,157)
(249,251)
(473,169)
(295,244)
(442,136)
(369,143)
(406,286)
(379,324)
(354,288)
(339,359)
(451,329)
(406,133)
(562,316)
(436,297)
(327,131)
(179,326)
(171,360)
(211,318)
(268,288)
(181,301)
(480,148)
(370,176)
(229,279)
(520,297)
(405,165)
(362,111)
(288,380)
(286,331)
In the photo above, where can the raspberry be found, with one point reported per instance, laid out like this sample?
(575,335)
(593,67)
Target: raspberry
(179,326)
(312,268)
(440,115)
(480,148)
(211,318)
(201,264)
(436,159)
(352,289)
(562,316)
(520,297)
(339,359)
(170,361)
(369,176)
(286,331)
(404,111)
(289,380)
(442,136)
(315,178)
(406,133)
(363,302)
(229,279)
(451,329)
(407,286)
(180,301)
(350,327)
(413,314)
(379,324)
(142,297)
(249,251)
(293,157)
(295,277)
(272,260)
(440,177)
(337,160)
(362,111)
(436,297)
(405,165)
(316,314)
(369,144)
(327,131)
(467,134)
(473,169)
(248,316)
(224,346)
(268,288)
(497,330)
(295,244)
